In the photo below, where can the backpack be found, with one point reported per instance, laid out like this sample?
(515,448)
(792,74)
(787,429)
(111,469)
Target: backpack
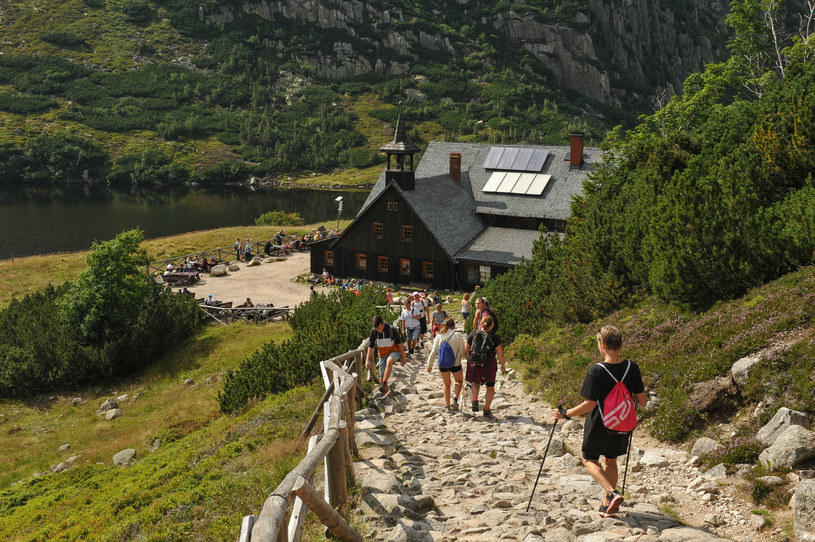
(482,349)
(619,414)
(447,358)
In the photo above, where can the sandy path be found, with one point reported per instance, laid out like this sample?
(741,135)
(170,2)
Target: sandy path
(270,282)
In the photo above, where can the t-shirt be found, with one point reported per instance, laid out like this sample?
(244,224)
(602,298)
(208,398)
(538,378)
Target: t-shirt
(496,341)
(596,387)
(439,317)
(487,310)
(409,320)
(386,342)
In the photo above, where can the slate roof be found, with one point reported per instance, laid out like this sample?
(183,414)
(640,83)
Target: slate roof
(450,209)
(500,246)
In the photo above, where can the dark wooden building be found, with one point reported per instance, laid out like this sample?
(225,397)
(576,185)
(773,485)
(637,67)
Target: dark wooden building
(467,213)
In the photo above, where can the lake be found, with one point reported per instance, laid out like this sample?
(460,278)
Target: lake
(48,219)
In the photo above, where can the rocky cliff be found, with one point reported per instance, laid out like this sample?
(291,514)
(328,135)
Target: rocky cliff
(614,53)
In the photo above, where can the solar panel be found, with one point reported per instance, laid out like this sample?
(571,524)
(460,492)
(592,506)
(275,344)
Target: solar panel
(516,158)
(491,161)
(507,158)
(508,183)
(523,183)
(494,181)
(538,185)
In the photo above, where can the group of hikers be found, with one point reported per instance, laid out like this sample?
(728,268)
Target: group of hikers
(609,388)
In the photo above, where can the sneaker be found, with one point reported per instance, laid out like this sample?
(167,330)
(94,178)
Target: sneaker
(614,502)
(454,406)
(488,414)
(410,352)
(448,409)
(383,387)
(475,406)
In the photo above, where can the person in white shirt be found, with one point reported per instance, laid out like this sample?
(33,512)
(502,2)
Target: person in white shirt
(409,324)
(447,334)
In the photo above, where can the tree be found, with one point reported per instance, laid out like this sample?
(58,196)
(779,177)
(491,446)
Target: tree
(108,295)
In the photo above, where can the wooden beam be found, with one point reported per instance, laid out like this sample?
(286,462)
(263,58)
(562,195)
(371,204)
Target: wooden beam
(300,508)
(330,517)
(316,414)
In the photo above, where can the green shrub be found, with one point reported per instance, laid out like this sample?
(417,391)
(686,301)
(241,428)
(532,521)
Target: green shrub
(138,12)
(63,39)
(279,218)
(24,105)
(323,328)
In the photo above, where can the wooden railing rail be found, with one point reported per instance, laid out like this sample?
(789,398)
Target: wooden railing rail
(335,448)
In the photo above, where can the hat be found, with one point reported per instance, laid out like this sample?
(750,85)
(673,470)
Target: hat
(210,295)
(415,293)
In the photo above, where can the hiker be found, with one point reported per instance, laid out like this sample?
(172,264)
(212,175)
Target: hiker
(465,307)
(248,250)
(439,316)
(482,349)
(483,308)
(312,296)
(448,349)
(420,312)
(388,296)
(597,439)
(409,324)
(389,348)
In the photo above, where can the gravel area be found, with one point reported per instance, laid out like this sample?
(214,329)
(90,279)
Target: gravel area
(270,282)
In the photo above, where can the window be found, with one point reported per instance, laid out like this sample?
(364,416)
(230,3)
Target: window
(362,262)
(328,257)
(382,264)
(427,270)
(379,230)
(404,267)
(484,272)
(393,206)
(407,234)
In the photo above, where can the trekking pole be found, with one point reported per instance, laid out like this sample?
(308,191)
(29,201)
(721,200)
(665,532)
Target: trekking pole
(627,459)
(551,434)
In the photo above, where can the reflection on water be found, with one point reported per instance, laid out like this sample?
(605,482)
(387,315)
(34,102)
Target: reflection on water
(46,219)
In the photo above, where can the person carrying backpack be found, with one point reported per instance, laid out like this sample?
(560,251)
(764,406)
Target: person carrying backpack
(482,349)
(448,349)
(610,410)
(389,348)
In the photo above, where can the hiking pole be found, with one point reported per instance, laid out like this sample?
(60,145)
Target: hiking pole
(542,462)
(627,459)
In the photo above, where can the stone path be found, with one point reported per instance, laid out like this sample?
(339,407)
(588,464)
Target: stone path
(427,474)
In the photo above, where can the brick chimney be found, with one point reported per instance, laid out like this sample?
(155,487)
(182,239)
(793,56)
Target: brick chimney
(576,150)
(455,166)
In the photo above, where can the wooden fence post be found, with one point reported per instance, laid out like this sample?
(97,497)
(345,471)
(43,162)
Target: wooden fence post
(300,509)
(330,517)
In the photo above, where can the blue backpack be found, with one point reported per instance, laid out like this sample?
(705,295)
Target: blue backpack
(447,358)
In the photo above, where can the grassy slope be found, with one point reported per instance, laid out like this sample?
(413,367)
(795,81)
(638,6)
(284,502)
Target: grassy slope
(23,276)
(677,349)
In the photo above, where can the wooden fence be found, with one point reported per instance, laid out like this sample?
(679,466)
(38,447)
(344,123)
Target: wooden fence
(256,314)
(335,448)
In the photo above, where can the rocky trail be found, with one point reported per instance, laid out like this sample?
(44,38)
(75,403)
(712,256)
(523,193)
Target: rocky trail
(426,474)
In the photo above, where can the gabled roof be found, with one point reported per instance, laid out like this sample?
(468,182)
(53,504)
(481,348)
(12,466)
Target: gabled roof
(504,246)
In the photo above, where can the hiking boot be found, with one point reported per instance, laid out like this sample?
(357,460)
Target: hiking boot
(448,409)
(475,406)
(488,414)
(614,502)
(454,406)
(383,388)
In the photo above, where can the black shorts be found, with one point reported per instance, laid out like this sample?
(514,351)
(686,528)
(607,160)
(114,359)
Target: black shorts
(588,457)
(422,325)
(453,369)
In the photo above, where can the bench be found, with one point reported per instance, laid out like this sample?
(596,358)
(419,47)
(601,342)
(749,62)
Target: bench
(183,278)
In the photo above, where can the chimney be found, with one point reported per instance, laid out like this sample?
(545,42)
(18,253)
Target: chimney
(455,166)
(576,150)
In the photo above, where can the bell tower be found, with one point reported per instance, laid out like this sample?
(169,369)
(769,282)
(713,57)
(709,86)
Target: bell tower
(402,151)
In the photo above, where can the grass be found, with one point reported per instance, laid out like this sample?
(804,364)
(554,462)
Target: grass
(22,276)
(209,471)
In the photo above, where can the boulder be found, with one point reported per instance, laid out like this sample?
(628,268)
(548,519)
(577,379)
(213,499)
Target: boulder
(783,419)
(556,448)
(704,446)
(742,368)
(652,459)
(108,405)
(804,511)
(254,263)
(76,401)
(124,457)
(796,444)
(122,398)
(234,267)
(113,413)
(717,394)
(218,271)
(64,447)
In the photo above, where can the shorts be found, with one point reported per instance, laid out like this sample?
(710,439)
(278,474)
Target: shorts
(465,315)
(481,375)
(382,363)
(423,325)
(589,457)
(413,333)
(453,369)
